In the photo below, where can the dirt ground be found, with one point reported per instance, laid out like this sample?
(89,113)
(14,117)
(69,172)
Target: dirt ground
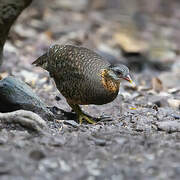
(140,136)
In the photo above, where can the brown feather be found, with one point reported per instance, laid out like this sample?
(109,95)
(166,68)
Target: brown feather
(42,61)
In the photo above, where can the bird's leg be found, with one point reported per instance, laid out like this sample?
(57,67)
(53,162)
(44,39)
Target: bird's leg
(80,114)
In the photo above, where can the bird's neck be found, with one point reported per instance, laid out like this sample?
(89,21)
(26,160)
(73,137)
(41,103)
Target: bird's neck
(109,83)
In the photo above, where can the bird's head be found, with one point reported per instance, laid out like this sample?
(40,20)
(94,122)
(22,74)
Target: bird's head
(119,72)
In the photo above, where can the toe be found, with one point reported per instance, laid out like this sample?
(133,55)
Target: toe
(88,119)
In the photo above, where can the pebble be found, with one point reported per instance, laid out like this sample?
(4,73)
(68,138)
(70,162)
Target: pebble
(174,103)
(100,142)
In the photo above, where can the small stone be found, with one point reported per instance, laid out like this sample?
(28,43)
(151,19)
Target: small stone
(155,107)
(100,142)
(169,126)
(70,5)
(71,122)
(57,98)
(37,155)
(174,103)
(64,166)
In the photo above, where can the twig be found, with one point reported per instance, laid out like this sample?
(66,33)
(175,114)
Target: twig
(26,119)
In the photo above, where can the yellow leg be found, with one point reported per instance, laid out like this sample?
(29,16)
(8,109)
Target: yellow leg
(80,114)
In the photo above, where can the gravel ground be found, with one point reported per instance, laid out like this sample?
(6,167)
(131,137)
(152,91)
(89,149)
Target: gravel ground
(138,139)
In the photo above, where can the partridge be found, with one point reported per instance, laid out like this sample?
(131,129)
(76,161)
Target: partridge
(82,76)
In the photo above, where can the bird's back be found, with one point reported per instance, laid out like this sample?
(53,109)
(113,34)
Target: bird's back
(76,59)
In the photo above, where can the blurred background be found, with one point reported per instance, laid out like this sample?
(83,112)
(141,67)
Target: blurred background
(142,34)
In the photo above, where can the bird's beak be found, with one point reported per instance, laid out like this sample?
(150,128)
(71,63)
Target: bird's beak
(128,78)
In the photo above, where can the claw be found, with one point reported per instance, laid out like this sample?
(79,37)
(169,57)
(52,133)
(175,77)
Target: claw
(81,115)
(88,119)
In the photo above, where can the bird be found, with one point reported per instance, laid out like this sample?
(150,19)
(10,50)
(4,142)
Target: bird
(82,76)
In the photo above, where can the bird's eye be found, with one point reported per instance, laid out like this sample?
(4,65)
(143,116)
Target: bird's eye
(119,73)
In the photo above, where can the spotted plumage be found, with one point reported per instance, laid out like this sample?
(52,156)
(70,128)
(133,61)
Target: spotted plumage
(81,75)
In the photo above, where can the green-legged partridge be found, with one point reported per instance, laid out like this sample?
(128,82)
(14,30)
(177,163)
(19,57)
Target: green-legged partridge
(83,76)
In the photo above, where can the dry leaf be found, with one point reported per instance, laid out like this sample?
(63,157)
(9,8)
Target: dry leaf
(157,84)
(129,43)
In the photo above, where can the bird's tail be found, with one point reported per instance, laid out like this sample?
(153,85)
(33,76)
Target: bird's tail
(42,61)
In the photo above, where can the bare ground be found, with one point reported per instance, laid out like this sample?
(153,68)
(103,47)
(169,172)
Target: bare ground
(140,137)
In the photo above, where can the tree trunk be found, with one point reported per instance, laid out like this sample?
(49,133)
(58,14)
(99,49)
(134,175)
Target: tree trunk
(9,11)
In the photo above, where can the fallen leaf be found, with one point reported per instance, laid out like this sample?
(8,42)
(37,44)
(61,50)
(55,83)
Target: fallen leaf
(157,85)
(129,43)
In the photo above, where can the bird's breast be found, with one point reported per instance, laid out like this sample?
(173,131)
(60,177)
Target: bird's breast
(109,84)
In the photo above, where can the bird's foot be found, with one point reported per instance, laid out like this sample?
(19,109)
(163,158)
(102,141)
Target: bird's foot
(85,117)
(81,115)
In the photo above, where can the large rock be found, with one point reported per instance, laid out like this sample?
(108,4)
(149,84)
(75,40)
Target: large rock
(15,95)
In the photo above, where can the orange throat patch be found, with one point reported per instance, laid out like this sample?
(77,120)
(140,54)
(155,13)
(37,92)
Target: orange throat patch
(108,83)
